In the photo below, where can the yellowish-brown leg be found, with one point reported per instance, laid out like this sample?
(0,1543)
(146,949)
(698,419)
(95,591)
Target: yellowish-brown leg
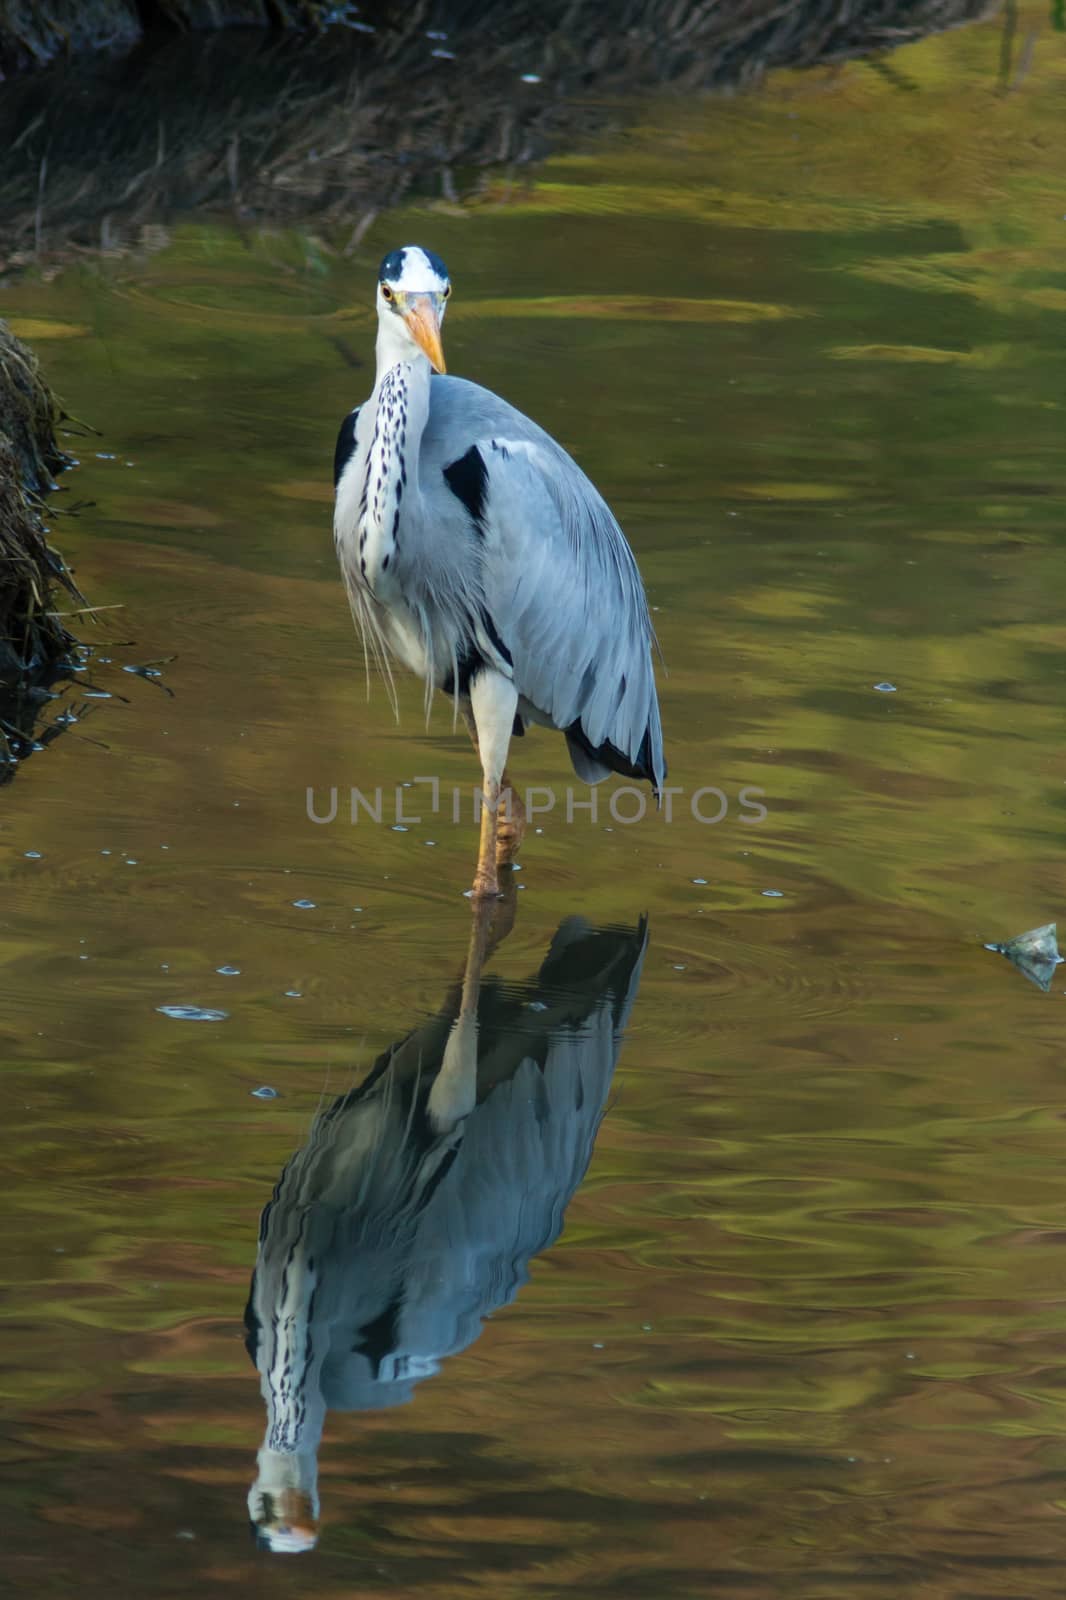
(493,702)
(486,883)
(511,827)
(511,819)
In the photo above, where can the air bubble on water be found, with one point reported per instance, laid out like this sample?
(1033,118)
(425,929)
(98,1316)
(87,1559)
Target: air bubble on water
(700,881)
(32,855)
(885,688)
(772,894)
(228,972)
(305,905)
(264,1092)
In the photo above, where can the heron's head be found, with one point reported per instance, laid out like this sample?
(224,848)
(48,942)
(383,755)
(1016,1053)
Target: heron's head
(413,290)
(284,1519)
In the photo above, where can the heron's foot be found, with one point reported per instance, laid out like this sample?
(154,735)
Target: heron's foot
(510,827)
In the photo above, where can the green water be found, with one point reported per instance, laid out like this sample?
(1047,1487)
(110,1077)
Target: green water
(802,1332)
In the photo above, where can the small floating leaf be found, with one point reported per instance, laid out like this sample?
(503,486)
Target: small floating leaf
(1035,954)
(192,1013)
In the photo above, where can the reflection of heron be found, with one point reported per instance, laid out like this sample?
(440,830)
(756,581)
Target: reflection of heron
(419,1199)
(478,553)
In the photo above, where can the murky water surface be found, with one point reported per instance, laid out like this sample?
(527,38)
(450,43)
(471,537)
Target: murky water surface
(802,1331)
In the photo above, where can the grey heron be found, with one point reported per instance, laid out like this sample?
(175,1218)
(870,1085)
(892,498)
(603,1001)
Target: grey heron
(415,1207)
(476,552)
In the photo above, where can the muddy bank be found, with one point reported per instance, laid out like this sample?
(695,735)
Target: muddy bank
(34,644)
(33,35)
(338,124)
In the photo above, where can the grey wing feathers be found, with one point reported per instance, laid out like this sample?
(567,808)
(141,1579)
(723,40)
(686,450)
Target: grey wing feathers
(561,586)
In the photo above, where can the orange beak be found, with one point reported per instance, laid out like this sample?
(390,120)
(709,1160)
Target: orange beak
(424,323)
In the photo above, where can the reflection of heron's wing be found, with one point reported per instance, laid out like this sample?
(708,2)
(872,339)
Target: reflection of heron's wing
(546,1056)
(387,1242)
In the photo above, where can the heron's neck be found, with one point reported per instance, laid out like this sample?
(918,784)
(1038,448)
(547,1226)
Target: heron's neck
(400,409)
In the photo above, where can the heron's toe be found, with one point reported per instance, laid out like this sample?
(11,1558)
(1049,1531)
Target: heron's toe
(486,887)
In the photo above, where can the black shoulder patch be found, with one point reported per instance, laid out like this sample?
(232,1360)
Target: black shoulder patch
(468,480)
(345,445)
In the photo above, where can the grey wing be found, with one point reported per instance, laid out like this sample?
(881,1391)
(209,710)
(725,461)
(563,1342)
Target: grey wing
(560,582)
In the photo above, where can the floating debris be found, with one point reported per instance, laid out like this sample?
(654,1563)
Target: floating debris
(1035,954)
(192,1013)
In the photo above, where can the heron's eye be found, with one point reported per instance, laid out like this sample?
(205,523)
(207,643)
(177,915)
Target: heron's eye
(386,292)
(447,291)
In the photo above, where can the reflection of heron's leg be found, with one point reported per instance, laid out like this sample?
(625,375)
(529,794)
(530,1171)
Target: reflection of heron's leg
(455,1087)
(511,822)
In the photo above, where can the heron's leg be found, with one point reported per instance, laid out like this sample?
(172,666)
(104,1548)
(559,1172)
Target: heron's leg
(511,826)
(493,701)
